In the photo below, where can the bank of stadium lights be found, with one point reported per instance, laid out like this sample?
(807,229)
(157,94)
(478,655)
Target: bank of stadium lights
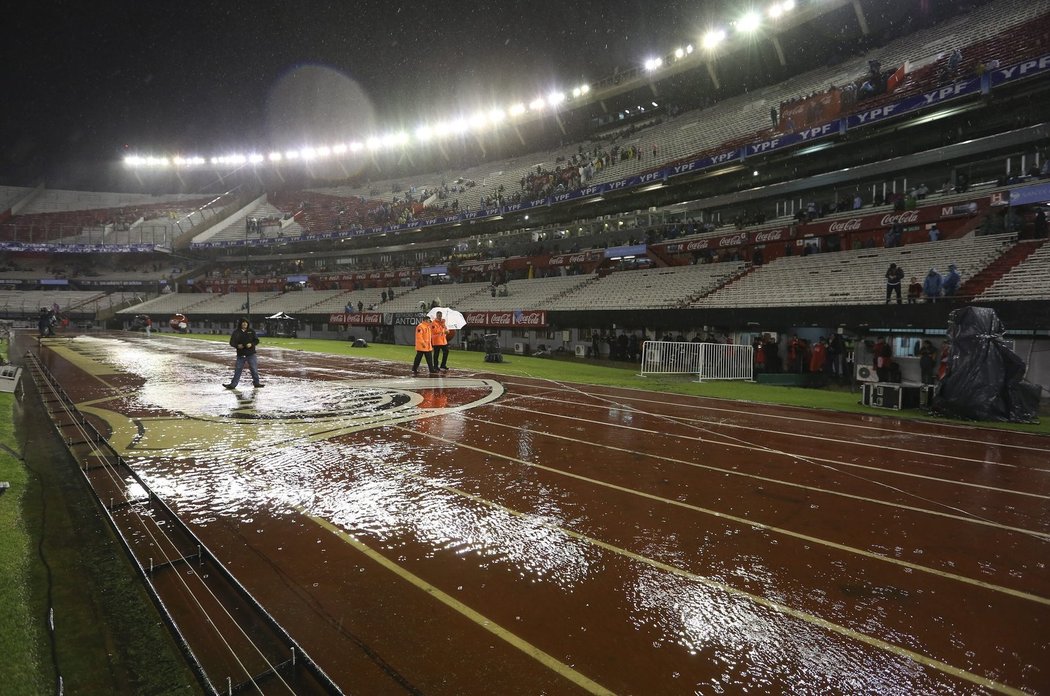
(712,38)
(749,23)
(459,126)
(778,9)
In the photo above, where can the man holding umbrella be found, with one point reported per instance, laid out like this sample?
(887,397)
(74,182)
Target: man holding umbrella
(446,322)
(439,339)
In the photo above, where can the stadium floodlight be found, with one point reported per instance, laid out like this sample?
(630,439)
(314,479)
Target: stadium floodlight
(679,53)
(517,109)
(340,148)
(749,23)
(585,88)
(653,64)
(291,154)
(373,143)
(713,37)
(655,105)
(537,104)
(308,153)
(497,116)
(214,160)
(275,157)
(459,126)
(478,120)
(689,49)
(324,151)
(424,133)
(356,146)
(778,9)
(255,158)
(555,98)
(576,91)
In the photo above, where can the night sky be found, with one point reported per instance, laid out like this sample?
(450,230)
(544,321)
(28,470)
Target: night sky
(83,81)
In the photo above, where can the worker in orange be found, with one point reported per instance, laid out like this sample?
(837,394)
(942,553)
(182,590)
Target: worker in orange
(424,346)
(439,339)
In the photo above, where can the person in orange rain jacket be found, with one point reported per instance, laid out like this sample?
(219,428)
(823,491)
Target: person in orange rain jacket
(424,346)
(439,338)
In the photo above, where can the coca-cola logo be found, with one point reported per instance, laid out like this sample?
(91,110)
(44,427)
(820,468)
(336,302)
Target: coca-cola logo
(701,244)
(851,225)
(530,318)
(476,317)
(735,240)
(901,218)
(769,236)
(501,318)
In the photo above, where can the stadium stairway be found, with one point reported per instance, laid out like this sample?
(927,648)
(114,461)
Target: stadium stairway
(729,281)
(1000,267)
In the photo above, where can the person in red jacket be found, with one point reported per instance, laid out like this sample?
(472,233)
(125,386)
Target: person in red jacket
(439,339)
(818,355)
(424,346)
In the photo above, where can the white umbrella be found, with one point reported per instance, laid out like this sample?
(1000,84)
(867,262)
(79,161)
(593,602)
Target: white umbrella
(453,319)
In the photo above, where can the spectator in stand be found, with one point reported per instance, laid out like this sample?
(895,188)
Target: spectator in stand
(934,232)
(954,61)
(836,356)
(794,354)
(951,281)
(773,116)
(894,276)
(1039,225)
(931,286)
(914,290)
(818,356)
(882,356)
(927,361)
(858,202)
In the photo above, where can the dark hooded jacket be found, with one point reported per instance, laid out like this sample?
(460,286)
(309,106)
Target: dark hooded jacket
(244,337)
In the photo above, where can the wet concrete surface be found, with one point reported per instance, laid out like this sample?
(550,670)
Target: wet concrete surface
(479,534)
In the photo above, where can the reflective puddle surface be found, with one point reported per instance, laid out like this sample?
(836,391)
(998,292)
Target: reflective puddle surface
(478,534)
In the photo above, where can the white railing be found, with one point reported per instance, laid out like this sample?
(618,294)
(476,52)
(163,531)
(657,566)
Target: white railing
(705,360)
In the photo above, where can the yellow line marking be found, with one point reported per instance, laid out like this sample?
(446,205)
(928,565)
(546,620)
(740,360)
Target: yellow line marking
(771,450)
(503,634)
(766,479)
(749,523)
(796,613)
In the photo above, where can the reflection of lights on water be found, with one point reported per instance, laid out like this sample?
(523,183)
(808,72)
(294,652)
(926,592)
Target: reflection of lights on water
(378,490)
(759,646)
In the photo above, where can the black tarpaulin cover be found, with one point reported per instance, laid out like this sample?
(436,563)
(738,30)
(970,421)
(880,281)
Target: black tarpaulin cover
(985,378)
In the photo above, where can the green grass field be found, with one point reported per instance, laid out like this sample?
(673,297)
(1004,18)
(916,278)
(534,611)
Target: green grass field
(22,639)
(611,374)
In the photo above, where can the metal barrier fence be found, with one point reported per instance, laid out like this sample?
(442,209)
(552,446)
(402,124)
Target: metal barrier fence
(705,360)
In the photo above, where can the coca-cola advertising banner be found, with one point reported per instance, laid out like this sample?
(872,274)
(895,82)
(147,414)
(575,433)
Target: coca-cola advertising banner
(581,257)
(861,223)
(519,318)
(727,241)
(480,266)
(357,319)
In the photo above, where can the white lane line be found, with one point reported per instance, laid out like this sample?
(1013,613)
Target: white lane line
(807,457)
(850,496)
(816,420)
(806,617)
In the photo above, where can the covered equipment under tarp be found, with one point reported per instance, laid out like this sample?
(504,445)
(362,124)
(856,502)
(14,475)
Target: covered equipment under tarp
(281,325)
(493,352)
(985,378)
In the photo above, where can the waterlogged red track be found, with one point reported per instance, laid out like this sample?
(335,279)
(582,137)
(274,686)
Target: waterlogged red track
(478,534)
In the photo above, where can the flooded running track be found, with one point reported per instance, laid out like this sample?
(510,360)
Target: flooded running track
(479,534)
